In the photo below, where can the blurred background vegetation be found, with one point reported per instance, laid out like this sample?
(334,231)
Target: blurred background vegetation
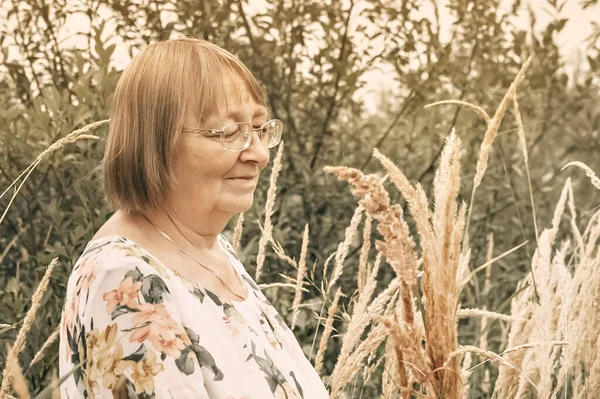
(315,59)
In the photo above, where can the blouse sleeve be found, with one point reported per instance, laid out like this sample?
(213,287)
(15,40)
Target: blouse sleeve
(132,341)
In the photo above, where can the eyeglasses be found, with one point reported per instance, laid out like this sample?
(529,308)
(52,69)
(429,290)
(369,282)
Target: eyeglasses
(238,136)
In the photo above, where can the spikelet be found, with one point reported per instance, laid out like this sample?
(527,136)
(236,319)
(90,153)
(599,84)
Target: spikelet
(326,266)
(327,331)
(366,347)
(475,108)
(520,129)
(279,251)
(487,354)
(588,172)
(441,263)
(389,382)
(494,124)
(561,316)
(521,307)
(280,285)
(18,381)
(364,254)
(532,345)
(398,246)
(269,207)
(73,137)
(485,314)
(395,332)
(361,314)
(237,232)
(346,366)
(345,369)
(300,277)
(20,341)
(490,135)
(69,139)
(440,233)
(49,341)
(415,197)
(412,365)
(342,250)
(581,303)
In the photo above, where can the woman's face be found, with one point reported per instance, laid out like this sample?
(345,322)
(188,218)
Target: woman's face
(211,179)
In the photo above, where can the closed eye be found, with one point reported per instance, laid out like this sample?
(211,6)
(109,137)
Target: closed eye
(211,133)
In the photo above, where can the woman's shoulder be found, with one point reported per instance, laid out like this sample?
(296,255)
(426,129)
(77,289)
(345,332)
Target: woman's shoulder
(110,252)
(107,264)
(120,313)
(111,272)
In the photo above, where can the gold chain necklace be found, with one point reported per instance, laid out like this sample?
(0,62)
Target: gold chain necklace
(196,260)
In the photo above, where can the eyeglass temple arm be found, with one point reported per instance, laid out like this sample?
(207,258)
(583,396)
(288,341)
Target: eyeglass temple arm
(213,132)
(216,132)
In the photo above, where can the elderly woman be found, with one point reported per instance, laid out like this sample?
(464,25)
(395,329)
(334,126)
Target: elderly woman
(158,304)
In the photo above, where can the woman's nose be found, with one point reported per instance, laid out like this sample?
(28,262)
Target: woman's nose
(256,152)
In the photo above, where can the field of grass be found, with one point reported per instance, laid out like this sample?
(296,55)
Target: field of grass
(402,339)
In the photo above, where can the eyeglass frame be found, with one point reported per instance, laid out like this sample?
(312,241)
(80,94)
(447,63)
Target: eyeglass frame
(220,132)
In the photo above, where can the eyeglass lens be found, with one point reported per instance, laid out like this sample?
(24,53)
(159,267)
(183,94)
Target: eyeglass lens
(238,135)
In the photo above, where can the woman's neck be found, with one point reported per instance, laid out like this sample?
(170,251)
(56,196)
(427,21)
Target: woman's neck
(197,230)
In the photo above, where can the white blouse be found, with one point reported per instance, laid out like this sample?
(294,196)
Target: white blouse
(134,325)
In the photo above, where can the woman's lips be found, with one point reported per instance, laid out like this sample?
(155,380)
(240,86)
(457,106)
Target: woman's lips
(244,181)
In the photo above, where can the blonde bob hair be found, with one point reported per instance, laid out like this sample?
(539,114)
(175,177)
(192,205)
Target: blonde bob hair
(151,100)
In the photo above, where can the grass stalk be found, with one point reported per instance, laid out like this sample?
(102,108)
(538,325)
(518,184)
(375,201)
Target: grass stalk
(300,277)
(20,341)
(266,235)
(237,232)
(331,312)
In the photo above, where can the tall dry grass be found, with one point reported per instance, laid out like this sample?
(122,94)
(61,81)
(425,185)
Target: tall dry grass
(269,207)
(409,328)
(12,370)
(424,329)
(568,285)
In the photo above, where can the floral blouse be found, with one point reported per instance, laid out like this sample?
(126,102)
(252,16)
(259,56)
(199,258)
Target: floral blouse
(131,327)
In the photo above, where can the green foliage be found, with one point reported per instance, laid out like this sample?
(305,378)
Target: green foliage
(314,58)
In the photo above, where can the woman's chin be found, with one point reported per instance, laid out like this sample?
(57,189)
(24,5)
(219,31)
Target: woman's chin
(239,205)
